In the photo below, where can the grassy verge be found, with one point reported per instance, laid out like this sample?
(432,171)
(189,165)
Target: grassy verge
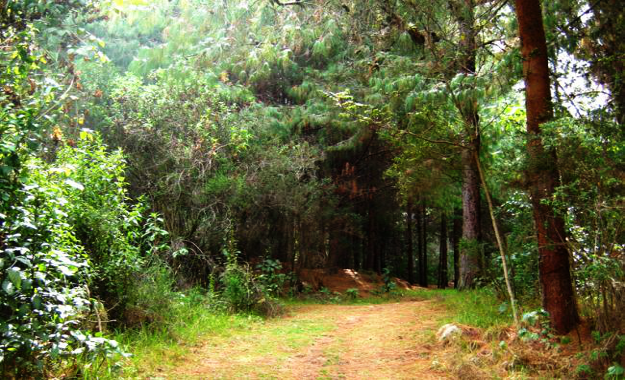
(155,350)
(479,308)
(190,323)
(188,320)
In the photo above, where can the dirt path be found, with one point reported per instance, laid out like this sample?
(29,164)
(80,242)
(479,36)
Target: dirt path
(384,341)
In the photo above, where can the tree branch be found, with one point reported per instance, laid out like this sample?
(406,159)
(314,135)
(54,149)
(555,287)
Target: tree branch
(295,2)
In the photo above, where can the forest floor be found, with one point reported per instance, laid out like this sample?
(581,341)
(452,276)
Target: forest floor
(371,338)
(376,337)
(322,341)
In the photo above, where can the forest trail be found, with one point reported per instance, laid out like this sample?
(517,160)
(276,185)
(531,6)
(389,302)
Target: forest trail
(381,341)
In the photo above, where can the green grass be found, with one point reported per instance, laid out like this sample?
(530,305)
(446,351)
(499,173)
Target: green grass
(188,321)
(163,347)
(479,308)
(476,307)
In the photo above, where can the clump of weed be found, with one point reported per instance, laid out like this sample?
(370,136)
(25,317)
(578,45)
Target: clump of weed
(241,290)
(352,293)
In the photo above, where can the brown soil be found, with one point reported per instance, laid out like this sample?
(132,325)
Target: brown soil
(385,341)
(381,341)
(341,280)
(388,341)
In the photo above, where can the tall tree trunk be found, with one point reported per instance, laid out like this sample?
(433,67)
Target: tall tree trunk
(297,243)
(543,176)
(470,250)
(335,252)
(370,238)
(381,256)
(442,258)
(423,253)
(470,254)
(409,246)
(419,227)
(355,247)
(291,243)
(456,235)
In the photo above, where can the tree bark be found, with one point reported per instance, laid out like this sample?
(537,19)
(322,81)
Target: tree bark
(457,234)
(470,253)
(423,254)
(334,252)
(543,176)
(442,258)
(370,261)
(409,246)
(470,250)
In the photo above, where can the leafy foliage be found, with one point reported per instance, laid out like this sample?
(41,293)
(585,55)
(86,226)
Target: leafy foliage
(242,290)
(46,301)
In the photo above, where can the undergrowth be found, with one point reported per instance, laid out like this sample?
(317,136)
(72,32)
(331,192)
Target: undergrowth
(190,319)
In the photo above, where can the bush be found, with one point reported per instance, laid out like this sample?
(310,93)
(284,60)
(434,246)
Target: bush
(46,274)
(272,281)
(121,242)
(352,293)
(70,238)
(241,290)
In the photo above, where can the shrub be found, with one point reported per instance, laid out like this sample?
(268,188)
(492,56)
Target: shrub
(242,290)
(45,297)
(272,281)
(352,293)
(238,288)
(121,242)
(70,237)
(389,284)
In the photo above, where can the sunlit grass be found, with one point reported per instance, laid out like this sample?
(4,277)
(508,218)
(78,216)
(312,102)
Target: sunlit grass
(156,350)
(476,307)
(191,324)
(158,346)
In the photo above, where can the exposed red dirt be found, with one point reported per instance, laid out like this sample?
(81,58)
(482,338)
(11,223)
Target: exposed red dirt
(341,280)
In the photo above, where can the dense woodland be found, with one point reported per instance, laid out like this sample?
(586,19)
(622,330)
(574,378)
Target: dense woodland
(152,147)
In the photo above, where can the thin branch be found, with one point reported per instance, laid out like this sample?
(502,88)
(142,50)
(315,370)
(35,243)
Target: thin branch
(420,137)
(579,17)
(296,2)
(499,240)
(61,98)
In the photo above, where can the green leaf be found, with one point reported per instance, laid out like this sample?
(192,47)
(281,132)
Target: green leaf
(15,277)
(67,271)
(24,309)
(74,184)
(615,371)
(23,260)
(6,170)
(37,302)
(8,287)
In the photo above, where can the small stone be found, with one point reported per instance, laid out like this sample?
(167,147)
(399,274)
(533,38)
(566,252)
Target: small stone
(448,332)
